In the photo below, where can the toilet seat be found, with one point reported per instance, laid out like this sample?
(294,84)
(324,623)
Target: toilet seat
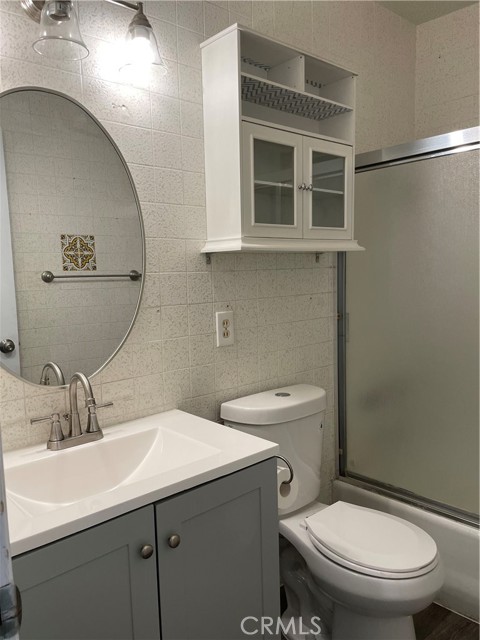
(371,542)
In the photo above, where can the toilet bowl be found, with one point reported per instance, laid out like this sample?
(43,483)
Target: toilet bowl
(351,573)
(373,602)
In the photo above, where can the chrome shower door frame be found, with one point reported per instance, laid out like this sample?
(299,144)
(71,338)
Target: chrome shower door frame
(420,150)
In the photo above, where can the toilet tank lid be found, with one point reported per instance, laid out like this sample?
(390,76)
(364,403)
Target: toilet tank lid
(275,406)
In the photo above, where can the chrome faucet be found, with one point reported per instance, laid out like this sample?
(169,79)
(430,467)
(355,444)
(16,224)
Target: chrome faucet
(75,436)
(74,427)
(53,366)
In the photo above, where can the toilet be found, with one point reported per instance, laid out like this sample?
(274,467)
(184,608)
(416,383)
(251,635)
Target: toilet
(350,573)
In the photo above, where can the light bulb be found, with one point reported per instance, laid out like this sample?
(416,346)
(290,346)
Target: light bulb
(141,49)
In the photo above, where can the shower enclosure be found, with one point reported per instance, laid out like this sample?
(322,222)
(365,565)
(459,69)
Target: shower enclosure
(408,326)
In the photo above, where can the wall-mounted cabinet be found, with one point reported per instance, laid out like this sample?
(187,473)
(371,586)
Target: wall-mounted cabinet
(295,186)
(279,138)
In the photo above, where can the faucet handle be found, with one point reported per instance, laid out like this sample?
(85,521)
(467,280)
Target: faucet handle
(104,404)
(95,406)
(56,432)
(92,420)
(44,419)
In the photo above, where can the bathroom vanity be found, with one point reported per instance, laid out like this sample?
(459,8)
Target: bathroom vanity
(177,549)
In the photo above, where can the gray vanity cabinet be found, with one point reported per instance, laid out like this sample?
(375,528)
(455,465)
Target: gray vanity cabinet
(225,566)
(221,567)
(92,585)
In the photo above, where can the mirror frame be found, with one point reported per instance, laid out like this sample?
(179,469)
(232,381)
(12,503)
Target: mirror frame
(140,219)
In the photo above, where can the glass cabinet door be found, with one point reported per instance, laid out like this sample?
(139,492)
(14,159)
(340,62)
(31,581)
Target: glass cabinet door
(328,170)
(272,197)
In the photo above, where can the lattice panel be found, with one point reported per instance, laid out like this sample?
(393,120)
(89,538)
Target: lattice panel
(269,95)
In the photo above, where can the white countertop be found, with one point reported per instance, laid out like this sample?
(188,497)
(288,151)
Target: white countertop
(36,522)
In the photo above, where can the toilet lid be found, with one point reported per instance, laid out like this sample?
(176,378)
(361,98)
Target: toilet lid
(365,538)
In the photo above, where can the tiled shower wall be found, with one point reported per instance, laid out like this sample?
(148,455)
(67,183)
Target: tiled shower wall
(447,73)
(65,178)
(283,303)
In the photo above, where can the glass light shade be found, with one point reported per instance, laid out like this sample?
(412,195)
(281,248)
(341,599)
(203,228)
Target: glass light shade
(141,49)
(60,35)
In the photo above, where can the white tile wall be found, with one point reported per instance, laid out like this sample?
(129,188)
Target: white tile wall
(283,304)
(447,73)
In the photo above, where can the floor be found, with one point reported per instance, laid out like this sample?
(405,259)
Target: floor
(437,623)
(433,623)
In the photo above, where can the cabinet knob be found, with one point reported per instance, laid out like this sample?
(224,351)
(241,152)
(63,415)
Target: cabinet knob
(302,186)
(174,541)
(146,551)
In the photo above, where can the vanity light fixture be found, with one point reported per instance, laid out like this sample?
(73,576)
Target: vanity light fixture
(60,34)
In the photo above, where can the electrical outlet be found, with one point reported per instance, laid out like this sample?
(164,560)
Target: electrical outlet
(224,326)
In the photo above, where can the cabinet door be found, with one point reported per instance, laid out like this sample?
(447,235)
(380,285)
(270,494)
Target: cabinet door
(328,201)
(272,200)
(94,584)
(226,565)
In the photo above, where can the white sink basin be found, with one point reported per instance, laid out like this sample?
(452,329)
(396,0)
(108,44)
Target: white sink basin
(121,457)
(53,494)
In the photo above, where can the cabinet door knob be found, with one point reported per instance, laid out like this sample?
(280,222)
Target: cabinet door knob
(302,186)
(146,551)
(174,541)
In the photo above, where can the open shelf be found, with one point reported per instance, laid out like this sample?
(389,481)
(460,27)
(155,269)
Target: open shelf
(264,245)
(276,96)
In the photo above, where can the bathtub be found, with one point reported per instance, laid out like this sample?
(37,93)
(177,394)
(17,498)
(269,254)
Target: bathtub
(458,545)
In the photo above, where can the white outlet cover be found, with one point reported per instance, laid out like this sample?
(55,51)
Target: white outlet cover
(224,328)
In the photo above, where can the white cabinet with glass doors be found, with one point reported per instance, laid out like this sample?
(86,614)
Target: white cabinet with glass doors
(272,173)
(279,143)
(295,186)
(328,195)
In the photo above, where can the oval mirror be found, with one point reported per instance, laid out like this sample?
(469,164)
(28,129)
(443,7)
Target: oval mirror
(72,242)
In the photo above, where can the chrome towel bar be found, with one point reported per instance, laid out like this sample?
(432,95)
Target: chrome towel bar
(48,276)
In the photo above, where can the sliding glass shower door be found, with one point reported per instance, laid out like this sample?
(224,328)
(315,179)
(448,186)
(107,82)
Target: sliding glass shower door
(412,331)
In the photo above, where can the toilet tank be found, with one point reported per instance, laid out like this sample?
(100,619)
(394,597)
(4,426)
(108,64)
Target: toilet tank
(294,418)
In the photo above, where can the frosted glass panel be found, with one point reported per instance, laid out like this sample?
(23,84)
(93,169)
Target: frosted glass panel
(274,166)
(412,348)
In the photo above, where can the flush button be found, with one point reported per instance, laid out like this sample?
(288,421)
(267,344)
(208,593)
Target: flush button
(282,394)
